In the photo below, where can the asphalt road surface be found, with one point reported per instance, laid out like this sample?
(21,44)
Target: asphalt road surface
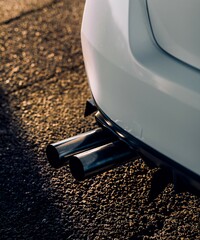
(43,89)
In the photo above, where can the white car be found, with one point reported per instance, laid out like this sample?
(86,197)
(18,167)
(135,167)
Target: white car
(142,59)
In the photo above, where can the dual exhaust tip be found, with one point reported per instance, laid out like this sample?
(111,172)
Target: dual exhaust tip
(90,153)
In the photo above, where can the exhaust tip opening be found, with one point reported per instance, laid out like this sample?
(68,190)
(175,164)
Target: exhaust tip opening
(53,156)
(76,168)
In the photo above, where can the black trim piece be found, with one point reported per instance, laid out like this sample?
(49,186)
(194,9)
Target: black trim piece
(90,107)
(187,178)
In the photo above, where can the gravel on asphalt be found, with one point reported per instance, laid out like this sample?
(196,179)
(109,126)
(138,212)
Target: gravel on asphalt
(43,89)
(10,10)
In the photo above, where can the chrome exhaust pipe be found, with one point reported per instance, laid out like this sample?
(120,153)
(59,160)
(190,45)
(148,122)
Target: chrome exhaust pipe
(58,153)
(100,159)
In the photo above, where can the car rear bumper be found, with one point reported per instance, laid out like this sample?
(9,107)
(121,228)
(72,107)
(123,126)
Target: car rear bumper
(150,95)
(181,176)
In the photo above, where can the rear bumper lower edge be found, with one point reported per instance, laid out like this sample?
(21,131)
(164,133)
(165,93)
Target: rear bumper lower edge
(189,179)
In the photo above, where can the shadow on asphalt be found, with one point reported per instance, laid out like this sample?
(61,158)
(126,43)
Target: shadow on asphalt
(26,210)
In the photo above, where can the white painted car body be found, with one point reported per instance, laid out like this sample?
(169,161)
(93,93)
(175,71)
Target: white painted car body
(144,90)
(175,25)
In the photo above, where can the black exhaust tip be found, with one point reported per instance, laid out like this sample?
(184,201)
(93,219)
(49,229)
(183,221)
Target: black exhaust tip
(100,159)
(76,168)
(59,153)
(53,156)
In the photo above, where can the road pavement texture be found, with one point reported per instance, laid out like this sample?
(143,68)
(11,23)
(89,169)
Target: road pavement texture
(12,9)
(43,89)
